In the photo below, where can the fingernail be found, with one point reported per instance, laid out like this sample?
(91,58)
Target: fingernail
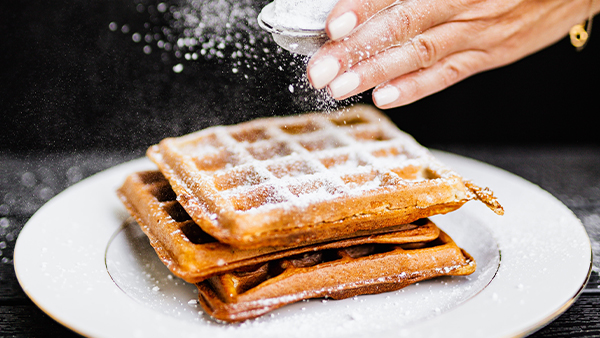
(322,72)
(342,25)
(386,95)
(344,84)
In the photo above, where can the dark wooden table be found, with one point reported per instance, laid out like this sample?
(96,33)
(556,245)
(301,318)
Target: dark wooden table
(571,173)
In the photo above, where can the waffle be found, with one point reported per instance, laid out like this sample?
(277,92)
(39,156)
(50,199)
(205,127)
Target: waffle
(193,255)
(337,274)
(283,180)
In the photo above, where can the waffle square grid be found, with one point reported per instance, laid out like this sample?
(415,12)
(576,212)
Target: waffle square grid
(275,181)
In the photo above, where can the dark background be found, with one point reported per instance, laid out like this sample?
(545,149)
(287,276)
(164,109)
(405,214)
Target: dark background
(68,82)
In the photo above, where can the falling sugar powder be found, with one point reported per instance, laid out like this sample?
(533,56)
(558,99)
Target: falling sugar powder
(178,68)
(226,32)
(305,96)
(209,29)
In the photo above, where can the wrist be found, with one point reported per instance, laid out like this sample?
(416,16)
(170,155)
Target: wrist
(595,7)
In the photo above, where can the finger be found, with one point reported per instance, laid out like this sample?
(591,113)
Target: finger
(417,85)
(422,51)
(349,14)
(391,27)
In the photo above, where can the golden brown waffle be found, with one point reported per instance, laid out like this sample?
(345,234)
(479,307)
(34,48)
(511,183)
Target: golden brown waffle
(193,255)
(339,273)
(283,180)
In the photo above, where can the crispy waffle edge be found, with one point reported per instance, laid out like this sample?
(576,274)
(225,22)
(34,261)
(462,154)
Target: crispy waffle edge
(219,300)
(195,262)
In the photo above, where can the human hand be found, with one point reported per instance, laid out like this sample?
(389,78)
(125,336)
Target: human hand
(408,49)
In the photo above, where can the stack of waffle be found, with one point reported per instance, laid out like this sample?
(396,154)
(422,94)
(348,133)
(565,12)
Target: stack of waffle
(277,210)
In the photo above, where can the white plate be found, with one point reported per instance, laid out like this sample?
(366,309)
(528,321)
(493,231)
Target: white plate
(80,261)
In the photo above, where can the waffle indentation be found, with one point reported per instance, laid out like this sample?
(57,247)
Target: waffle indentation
(246,279)
(176,211)
(316,187)
(216,160)
(349,120)
(300,128)
(291,168)
(243,176)
(409,172)
(250,135)
(203,144)
(150,177)
(359,179)
(257,197)
(195,234)
(371,134)
(264,151)
(387,152)
(321,143)
(336,160)
(162,190)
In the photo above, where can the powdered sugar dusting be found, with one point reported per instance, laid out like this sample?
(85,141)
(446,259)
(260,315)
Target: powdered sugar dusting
(226,33)
(298,162)
(301,14)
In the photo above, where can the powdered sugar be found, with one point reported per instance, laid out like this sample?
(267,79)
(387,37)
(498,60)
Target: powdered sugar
(290,165)
(226,32)
(301,14)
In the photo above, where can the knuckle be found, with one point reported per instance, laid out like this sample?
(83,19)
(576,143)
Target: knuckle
(400,24)
(451,74)
(425,50)
(411,88)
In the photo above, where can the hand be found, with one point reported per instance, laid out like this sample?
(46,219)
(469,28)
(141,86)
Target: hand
(408,49)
